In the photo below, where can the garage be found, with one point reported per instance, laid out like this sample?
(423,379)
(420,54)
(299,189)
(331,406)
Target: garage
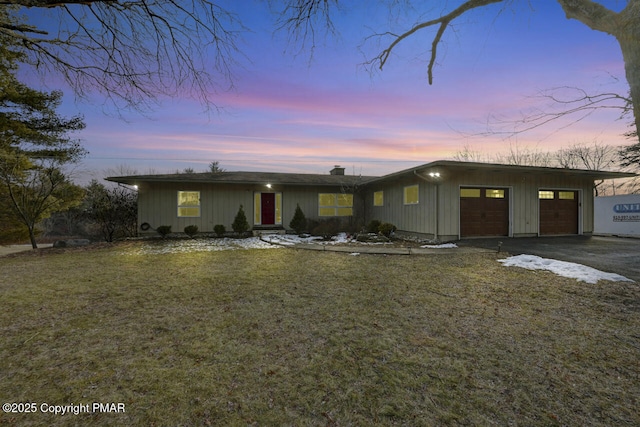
(484,212)
(558,212)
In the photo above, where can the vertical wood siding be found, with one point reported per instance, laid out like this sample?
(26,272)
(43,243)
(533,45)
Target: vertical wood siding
(416,218)
(219,203)
(157,203)
(523,194)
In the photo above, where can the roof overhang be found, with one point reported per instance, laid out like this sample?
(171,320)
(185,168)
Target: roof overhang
(245,178)
(434,171)
(439,169)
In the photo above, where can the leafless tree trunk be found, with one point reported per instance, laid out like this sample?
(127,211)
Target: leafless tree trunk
(624,26)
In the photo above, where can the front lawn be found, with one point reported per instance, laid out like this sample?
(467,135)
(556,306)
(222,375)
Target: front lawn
(294,337)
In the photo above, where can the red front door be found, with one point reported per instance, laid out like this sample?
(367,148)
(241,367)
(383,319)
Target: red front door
(268,208)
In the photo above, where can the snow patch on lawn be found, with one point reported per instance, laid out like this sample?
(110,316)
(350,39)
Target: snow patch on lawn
(171,246)
(267,241)
(289,239)
(442,246)
(562,268)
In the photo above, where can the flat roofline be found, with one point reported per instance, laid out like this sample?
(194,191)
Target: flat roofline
(471,166)
(252,178)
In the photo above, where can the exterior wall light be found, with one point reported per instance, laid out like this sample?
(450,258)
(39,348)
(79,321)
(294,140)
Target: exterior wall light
(268,185)
(434,174)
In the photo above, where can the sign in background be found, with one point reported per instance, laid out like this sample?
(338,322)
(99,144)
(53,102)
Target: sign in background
(617,215)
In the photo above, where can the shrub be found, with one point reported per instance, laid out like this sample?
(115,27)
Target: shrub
(386,229)
(219,229)
(163,230)
(299,221)
(240,224)
(191,230)
(374,226)
(326,228)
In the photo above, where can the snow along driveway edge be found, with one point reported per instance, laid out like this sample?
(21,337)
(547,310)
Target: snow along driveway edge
(562,268)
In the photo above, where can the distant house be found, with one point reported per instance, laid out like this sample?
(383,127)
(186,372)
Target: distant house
(443,200)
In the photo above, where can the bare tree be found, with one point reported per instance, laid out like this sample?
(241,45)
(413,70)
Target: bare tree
(517,155)
(586,156)
(523,156)
(563,102)
(593,156)
(131,52)
(468,154)
(623,25)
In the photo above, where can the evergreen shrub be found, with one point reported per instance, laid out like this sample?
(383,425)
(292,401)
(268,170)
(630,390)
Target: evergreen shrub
(164,230)
(386,229)
(219,229)
(299,221)
(191,230)
(374,226)
(240,224)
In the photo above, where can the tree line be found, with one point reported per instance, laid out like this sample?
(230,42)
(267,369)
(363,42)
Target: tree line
(594,156)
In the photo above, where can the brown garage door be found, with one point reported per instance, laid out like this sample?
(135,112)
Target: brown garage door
(558,212)
(484,212)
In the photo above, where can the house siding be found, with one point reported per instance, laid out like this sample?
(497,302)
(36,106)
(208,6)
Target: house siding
(414,218)
(219,203)
(436,215)
(523,190)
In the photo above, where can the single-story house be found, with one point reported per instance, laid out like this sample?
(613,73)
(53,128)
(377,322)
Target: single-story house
(442,200)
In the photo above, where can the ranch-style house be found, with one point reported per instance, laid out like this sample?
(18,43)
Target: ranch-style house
(442,200)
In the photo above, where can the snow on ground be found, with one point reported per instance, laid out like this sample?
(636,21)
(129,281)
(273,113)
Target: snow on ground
(443,246)
(562,268)
(276,241)
(292,239)
(288,239)
(170,246)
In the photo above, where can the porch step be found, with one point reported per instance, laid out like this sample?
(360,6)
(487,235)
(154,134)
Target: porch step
(263,232)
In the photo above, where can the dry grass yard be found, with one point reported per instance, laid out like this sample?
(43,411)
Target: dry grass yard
(292,337)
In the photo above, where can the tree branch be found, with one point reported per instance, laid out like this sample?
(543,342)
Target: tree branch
(442,23)
(134,51)
(592,14)
(572,102)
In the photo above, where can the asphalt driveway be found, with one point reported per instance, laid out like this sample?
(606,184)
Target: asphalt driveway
(610,254)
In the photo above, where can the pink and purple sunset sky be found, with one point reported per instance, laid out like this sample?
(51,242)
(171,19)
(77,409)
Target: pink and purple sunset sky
(290,113)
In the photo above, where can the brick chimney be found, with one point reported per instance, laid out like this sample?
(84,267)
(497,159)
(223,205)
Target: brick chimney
(337,170)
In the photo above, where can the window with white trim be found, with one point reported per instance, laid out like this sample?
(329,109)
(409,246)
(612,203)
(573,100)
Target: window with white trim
(378,198)
(335,204)
(188,203)
(411,193)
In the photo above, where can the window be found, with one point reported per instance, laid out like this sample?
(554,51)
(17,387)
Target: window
(378,198)
(566,195)
(494,194)
(470,192)
(544,194)
(330,204)
(278,208)
(188,203)
(411,195)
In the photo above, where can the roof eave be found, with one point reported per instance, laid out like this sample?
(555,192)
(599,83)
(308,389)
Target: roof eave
(505,168)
